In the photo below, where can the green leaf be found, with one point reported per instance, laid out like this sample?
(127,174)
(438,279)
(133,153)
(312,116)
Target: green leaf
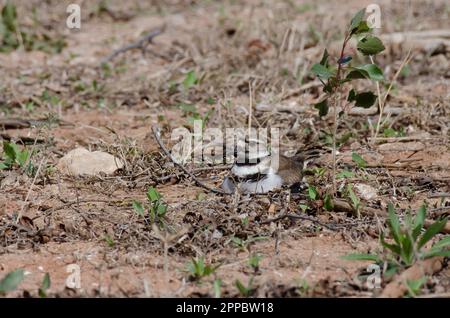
(370,45)
(370,71)
(9,16)
(153,195)
(162,209)
(324,60)
(303,207)
(11,281)
(394,223)
(244,291)
(3,166)
(345,174)
(321,71)
(312,192)
(322,107)
(407,251)
(434,253)
(419,221)
(353,197)
(190,80)
(137,206)
(217,285)
(328,203)
(375,73)
(414,286)
(359,160)
(357,19)
(363,27)
(394,248)
(10,150)
(364,99)
(44,286)
(434,229)
(445,242)
(361,257)
(22,157)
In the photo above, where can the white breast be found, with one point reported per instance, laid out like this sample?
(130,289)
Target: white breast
(270,182)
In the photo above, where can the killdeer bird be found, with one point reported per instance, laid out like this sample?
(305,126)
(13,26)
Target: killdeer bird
(256,171)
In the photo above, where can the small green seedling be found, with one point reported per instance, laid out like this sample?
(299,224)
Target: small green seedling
(313,193)
(198,269)
(217,285)
(46,283)
(109,240)
(356,202)
(156,209)
(414,286)
(361,163)
(244,244)
(245,291)
(337,73)
(190,80)
(254,261)
(409,241)
(13,156)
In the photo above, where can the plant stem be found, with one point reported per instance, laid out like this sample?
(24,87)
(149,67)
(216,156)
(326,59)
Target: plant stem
(335,124)
(380,103)
(337,94)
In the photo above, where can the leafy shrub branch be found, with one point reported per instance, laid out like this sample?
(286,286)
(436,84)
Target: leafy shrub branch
(338,74)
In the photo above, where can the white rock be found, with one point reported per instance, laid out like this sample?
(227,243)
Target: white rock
(366,191)
(81,161)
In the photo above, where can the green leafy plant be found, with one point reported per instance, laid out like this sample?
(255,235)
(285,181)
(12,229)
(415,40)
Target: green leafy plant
(109,240)
(360,162)
(414,286)
(409,240)
(254,261)
(46,283)
(217,285)
(244,244)
(190,80)
(336,75)
(356,202)
(13,156)
(198,269)
(313,193)
(245,291)
(11,281)
(156,208)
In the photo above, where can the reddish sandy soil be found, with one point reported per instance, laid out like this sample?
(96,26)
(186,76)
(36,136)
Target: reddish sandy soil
(89,221)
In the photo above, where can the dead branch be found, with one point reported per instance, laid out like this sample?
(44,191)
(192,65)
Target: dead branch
(19,123)
(398,287)
(301,217)
(141,44)
(156,133)
(22,139)
(201,169)
(14,123)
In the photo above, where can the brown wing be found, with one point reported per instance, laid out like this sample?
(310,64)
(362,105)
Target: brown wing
(290,170)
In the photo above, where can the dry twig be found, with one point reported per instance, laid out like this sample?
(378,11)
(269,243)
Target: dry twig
(156,133)
(141,44)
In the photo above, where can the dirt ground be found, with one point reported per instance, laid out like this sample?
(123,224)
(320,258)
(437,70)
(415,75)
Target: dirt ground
(90,221)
